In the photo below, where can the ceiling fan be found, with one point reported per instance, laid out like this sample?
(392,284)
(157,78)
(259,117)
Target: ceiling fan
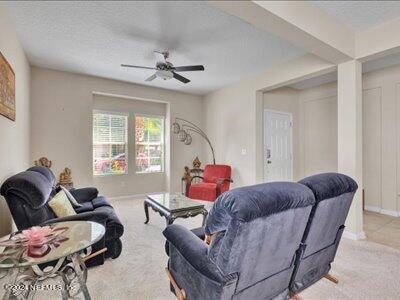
(166,70)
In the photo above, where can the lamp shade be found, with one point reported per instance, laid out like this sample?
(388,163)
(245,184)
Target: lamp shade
(188,139)
(176,128)
(182,135)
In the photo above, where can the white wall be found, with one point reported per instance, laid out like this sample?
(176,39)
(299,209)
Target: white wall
(14,136)
(287,100)
(61,126)
(130,183)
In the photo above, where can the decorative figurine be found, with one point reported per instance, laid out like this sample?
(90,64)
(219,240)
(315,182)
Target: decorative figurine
(66,179)
(44,162)
(186,180)
(196,163)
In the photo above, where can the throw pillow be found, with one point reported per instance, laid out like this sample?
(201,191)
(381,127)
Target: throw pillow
(70,197)
(61,205)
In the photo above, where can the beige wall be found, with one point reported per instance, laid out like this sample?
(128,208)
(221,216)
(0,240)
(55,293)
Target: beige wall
(287,100)
(233,116)
(130,183)
(14,136)
(61,126)
(381,135)
(318,130)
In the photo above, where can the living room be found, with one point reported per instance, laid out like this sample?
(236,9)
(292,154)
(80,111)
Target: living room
(122,96)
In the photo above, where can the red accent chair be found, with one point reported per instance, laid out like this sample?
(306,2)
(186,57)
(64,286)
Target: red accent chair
(216,180)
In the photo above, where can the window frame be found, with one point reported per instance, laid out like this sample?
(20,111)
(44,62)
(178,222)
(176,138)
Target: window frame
(117,113)
(163,142)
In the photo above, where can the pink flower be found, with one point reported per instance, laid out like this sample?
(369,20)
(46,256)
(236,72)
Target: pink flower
(36,235)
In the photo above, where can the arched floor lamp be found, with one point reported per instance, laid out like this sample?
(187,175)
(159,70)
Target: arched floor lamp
(183,129)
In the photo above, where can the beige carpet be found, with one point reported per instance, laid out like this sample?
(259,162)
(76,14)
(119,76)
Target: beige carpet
(366,270)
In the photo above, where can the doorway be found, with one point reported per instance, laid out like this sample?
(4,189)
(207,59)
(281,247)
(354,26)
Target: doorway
(278,146)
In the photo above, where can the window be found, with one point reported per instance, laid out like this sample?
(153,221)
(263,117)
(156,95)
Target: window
(149,141)
(109,143)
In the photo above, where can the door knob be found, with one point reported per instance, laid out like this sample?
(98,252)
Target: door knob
(269,162)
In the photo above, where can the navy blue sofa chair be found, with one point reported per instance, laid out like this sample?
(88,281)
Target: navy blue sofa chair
(271,240)
(333,193)
(27,194)
(258,230)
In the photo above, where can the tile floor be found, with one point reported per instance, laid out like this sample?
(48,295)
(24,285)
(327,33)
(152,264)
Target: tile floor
(382,229)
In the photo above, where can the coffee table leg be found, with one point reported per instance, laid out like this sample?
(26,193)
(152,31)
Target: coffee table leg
(146,212)
(204,213)
(169,220)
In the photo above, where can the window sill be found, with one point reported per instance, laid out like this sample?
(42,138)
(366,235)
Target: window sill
(107,175)
(151,172)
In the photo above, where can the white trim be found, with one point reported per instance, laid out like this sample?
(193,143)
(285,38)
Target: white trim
(133,197)
(392,213)
(373,208)
(354,236)
(379,210)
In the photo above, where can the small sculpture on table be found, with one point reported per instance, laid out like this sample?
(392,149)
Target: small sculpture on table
(186,179)
(43,162)
(66,179)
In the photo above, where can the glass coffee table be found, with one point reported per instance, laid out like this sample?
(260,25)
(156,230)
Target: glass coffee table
(25,263)
(173,206)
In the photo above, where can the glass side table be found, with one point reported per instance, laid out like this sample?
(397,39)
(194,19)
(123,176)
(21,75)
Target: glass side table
(24,264)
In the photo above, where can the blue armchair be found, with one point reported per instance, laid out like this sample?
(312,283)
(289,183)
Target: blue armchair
(257,232)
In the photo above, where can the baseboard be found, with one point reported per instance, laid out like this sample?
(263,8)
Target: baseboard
(133,197)
(379,210)
(392,213)
(354,236)
(373,208)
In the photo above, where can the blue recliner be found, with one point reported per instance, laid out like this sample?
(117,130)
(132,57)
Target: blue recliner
(271,240)
(258,230)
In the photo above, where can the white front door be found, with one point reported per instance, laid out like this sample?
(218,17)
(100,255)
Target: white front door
(278,156)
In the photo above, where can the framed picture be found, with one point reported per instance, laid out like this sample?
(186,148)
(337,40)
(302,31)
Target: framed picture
(7,89)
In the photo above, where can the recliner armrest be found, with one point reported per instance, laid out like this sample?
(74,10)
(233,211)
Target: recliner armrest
(194,250)
(98,217)
(84,194)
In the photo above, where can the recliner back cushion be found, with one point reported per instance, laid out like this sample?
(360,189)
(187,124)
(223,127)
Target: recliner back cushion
(329,215)
(333,193)
(31,187)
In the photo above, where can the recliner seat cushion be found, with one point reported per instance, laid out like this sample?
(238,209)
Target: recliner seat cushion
(203,191)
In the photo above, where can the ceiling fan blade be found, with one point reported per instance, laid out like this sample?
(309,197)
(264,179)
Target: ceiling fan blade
(140,67)
(180,78)
(189,68)
(151,78)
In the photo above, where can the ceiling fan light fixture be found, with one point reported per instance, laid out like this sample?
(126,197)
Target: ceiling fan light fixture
(163,74)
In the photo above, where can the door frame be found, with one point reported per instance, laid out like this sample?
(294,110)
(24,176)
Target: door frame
(266,110)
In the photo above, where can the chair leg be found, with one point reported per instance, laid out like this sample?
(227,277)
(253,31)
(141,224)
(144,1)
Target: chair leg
(180,293)
(294,297)
(332,278)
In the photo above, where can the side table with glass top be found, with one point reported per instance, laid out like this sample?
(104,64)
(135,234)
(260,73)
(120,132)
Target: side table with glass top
(23,266)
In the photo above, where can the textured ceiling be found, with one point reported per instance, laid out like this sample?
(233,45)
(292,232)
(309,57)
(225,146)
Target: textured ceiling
(361,15)
(96,37)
